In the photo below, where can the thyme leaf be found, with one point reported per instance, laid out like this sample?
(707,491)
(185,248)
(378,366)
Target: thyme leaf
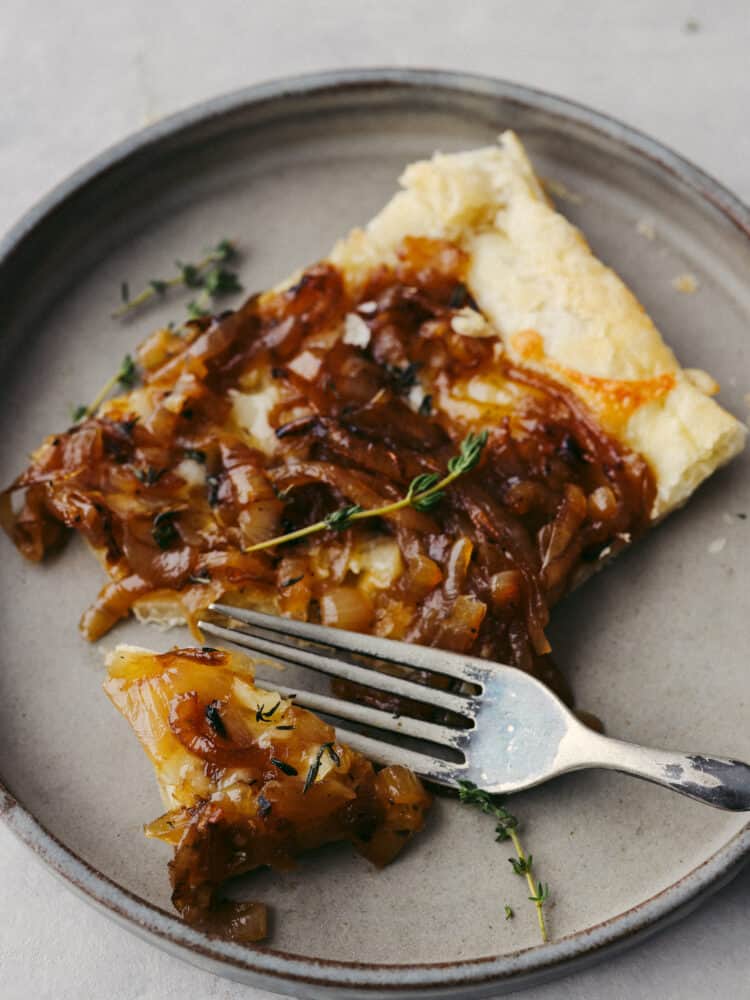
(522,866)
(469,453)
(265,714)
(127,373)
(149,475)
(220,281)
(163,530)
(284,767)
(190,275)
(214,719)
(312,773)
(403,378)
(340,519)
(213,483)
(541,895)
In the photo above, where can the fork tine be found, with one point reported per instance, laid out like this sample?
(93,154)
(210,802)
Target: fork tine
(347,671)
(353,712)
(440,771)
(403,653)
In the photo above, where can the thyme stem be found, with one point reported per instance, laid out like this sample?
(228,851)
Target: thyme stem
(105,390)
(507,829)
(292,536)
(423,493)
(536,897)
(148,293)
(204,274)
(125,376)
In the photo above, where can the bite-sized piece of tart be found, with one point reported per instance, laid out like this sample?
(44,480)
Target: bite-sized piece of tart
(248,779)
(467,304)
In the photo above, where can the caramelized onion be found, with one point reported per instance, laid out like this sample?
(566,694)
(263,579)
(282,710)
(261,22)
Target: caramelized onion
(507,588)
(422,577)
(113,603)
(259,521)
(354,425)
(459,630)
(560,541)
(458,566)
(346,607)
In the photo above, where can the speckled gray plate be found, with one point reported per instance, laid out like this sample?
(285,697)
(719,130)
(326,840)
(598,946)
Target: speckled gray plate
(656,646)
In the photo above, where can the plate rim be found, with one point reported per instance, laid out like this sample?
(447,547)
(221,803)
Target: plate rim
(268,967)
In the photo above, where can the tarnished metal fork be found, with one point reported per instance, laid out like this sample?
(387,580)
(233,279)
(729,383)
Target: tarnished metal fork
(518,734)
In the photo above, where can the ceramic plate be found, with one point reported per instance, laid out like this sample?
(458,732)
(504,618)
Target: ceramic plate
(656,645)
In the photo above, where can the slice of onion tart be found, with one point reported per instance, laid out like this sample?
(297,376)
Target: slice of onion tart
(248,779)
(467,306)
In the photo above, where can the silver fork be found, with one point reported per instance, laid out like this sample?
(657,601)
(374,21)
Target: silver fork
(518,735)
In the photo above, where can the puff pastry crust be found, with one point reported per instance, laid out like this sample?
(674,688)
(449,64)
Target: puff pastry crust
(557,308)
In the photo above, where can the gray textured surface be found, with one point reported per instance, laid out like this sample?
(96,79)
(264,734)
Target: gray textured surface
(77,77)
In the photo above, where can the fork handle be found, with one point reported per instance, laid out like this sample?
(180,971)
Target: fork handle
(719,781)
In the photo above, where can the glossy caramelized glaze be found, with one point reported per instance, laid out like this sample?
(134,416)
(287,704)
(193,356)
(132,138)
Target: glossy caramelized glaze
(250,779)
(352,391)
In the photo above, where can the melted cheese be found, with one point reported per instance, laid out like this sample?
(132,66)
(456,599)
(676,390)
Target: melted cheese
(250,411)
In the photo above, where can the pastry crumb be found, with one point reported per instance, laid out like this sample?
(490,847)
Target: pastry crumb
(728,517)
(685,283)
(559,190)
(702,381)
(716,546)
(646,228)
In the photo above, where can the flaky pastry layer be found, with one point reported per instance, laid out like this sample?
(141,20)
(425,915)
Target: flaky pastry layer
(557,308)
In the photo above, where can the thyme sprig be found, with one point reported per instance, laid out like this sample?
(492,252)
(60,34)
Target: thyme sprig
(425,491)
(207,274)
(126,376)
(507,829)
